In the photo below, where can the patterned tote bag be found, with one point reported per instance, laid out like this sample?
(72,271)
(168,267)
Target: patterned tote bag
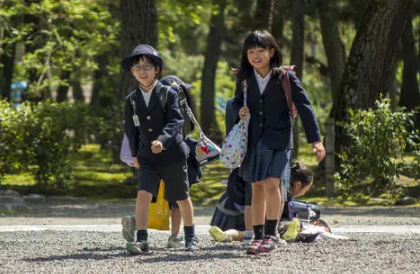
(235,146)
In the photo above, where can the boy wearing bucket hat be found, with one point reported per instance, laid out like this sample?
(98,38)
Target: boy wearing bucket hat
(156,143)
(176,240)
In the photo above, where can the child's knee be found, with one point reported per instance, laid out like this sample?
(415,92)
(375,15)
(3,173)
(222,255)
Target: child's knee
(144,197)
(184,202)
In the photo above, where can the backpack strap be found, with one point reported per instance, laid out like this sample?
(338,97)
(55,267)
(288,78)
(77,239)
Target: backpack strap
(285,81)
(163,96)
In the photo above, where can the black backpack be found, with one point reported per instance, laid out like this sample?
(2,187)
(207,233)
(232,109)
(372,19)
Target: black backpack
(184,102)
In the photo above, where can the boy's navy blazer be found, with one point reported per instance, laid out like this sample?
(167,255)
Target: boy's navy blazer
(270,117)
(155,124)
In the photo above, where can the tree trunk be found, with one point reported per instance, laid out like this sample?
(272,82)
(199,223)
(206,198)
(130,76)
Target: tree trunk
(63,89)
(77,90)
(101,60)
(8,61)
(264,14)
(279,17)
(214,41)
(334,47)
(298,42)
(370,66)
(410,94)
(138,26)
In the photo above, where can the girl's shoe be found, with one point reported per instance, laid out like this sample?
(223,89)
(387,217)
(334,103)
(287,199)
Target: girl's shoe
(219,235)
(268,244)
(292,231)
(138,247)
(254,247)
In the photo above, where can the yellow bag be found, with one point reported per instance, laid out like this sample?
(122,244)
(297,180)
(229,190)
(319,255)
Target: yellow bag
(159,211)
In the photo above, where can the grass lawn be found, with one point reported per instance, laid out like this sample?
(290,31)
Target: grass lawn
(94,176)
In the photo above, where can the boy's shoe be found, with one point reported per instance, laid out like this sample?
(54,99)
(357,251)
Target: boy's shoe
(268,244)
(191,244)
(254,247)
(246,242)
(176,241)
(129,227)
(138,247)
(292,231)
(218,234)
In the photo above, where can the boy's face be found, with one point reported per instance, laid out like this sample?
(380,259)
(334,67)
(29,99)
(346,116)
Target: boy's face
(145,72)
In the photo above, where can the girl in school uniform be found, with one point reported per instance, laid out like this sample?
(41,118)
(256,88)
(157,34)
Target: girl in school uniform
(267,162)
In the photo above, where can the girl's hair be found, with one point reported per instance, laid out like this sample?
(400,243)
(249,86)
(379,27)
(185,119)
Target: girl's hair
(262,39)
(302,173)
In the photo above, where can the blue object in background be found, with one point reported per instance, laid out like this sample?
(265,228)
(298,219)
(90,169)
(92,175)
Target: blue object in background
(17,93)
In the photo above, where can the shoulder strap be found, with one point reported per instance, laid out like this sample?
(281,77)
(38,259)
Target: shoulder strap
(133,103)
(245,91)
(285,81)
(163,96)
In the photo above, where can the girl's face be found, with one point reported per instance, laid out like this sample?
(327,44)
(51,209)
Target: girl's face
(145,72)
(298,189)
(259,58)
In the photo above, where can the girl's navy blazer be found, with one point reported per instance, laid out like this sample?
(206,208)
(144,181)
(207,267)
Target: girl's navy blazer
(155,124)
(270,118)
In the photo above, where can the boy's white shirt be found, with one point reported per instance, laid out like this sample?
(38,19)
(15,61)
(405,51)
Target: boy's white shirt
(147,95)
(262,82)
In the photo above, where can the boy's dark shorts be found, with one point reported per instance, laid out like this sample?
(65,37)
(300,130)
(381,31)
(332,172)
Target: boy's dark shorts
(174,176)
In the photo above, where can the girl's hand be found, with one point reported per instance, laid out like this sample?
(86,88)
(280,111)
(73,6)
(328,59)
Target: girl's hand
(319,150)
(157,147)
(243,112)
(135,162)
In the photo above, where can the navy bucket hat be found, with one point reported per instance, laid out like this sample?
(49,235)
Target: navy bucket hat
(146,50)
(170,80)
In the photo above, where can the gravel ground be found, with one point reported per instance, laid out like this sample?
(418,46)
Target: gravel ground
(98,252)
(89,252)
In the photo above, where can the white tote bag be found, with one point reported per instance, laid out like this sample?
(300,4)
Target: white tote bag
(235,146)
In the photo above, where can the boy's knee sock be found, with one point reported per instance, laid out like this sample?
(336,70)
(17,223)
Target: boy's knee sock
(258,232)
(142,235)
(189,232)
(270,227)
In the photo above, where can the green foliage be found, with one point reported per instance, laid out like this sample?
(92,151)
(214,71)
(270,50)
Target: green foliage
(62,35)
(379,139)
(38,137)
(183,24)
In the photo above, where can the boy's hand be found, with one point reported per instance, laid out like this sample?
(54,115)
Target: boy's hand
(243,112)
(319,150)
(135,162)
(157,147)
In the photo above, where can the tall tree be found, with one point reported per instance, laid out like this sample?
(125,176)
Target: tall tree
(334,47)
(370,66)
(410,93)
(297,55)
(63,87)
(7,59)
(214,41)
(138,26)
(264,14)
